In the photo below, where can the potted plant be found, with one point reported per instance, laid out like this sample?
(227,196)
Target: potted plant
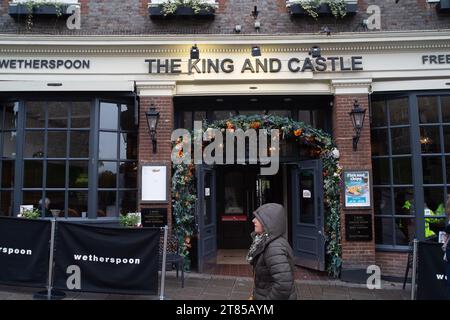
(316,8)
(444,6)
(130,220)
(30,214)
(186,8)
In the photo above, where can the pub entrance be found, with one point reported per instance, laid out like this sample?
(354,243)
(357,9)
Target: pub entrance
(228,196)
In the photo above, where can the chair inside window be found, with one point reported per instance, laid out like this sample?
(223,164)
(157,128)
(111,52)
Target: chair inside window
(174,261)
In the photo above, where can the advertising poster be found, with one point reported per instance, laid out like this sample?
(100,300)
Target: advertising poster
(357,189)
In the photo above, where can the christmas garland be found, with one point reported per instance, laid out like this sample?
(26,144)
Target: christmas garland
(321,145)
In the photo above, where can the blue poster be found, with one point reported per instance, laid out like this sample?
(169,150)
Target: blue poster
(357,189)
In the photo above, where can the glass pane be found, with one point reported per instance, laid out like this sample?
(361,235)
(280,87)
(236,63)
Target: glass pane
(381,171)
(402,172)
(107,204)
(78,174)
(57,201)
(434,201)
(35,116)
(280,113)
(56,144)
(319,119)
(186,120)
(34,144)
(78,204)
(6,205)
(107,145)
(445,107)
(127,117)
(109,116)
(2,108)
(81,114)
(432,170)
(398,111)
(382,201)
(8,174)
(107,174)
(32,175)
(304,116)
(446,130)
(79,144)
(199,115)
(404,231)
(384,233)
(380,142)
(127,201)
(404,201)
(128,175)
(128,146)
(234,193)
(379,114)
(430,139)
(56,174)
(31,198)
(58,114)
(435,225)
(307,210)
(401,143)
(223,114)
(428,109)
(9,144)
(11,115)
(447,168)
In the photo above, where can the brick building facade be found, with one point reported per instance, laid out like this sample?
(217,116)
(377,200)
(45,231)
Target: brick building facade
(398,72)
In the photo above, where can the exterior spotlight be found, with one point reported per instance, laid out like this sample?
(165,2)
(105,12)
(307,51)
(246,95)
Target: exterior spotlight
(237,28)
(314,52)
(357,115)
(256,51)
(257,25)
(195,53)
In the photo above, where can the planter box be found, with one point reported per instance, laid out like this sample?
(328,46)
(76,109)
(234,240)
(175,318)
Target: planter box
(324,10)
(21,10)
(156,12)
(444,6)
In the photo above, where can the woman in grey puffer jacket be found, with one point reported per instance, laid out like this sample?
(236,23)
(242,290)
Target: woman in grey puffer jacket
(271,255)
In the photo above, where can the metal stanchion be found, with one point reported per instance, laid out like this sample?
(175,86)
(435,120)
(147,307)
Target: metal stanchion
(50,294)
(414,270)
(163,269)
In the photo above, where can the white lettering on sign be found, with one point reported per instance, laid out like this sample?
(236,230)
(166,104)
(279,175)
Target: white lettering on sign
(306,194)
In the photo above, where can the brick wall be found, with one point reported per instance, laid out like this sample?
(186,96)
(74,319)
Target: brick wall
(131,17)
(392,264)
(355,254)
(164,105)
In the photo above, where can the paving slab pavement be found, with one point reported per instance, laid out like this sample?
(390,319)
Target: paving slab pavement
(212,287)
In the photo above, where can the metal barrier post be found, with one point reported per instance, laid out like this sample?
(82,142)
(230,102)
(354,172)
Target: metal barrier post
(50,263)
(414,271)
(163,269)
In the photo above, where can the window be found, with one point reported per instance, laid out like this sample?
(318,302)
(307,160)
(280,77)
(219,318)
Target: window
(392,172)
(8,134)
(411,166)
(56,156)
(117,160)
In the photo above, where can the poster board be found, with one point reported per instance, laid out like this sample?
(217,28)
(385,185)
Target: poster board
(357,189)
(154,183)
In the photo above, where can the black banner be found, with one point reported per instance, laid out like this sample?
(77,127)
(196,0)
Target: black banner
(24,251)
(105,259)
(431,279)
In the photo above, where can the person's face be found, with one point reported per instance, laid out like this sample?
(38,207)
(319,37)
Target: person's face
(259,229)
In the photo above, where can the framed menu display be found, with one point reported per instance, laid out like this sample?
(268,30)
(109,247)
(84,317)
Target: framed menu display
(154,183)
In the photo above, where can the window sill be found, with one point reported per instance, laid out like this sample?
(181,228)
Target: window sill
(397,249)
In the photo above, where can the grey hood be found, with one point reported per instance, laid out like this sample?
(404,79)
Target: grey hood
(273,219)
